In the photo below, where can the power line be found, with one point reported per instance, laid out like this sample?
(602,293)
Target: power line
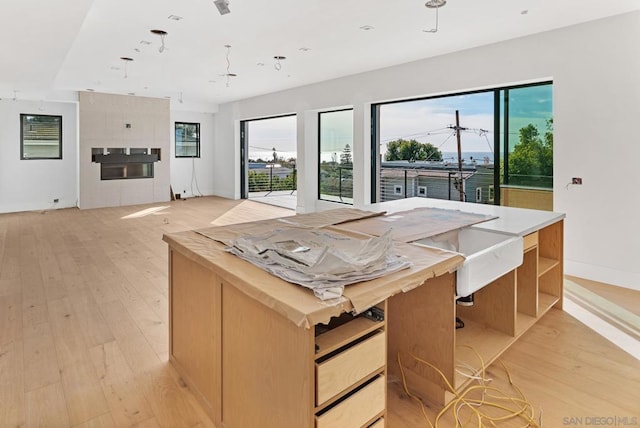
(262,148)
(426,133)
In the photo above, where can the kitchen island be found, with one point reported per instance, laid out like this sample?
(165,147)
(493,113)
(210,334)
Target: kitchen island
(258,351)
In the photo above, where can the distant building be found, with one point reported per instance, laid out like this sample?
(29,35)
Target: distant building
(404,179)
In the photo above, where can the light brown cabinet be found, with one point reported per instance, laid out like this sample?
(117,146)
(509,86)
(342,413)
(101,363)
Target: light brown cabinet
(503,311)
(249,365)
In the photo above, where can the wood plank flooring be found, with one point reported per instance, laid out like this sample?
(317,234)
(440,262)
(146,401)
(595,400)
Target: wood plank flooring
(84,318)
(84,323)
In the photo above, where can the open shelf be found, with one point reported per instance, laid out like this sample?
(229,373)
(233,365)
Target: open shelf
(523,322)
(487,342)
(545,302)
(545,265)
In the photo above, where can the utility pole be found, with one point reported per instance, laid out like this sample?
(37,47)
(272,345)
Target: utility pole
(457,129)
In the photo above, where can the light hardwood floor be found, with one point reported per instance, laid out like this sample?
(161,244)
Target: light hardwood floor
(83,328)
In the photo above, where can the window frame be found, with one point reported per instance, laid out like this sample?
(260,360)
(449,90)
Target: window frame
(22,155)
(498,128)
(175,129)
(319,193)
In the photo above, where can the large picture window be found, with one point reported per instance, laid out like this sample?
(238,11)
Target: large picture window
(187,140)
(268,153)
(40,136)
(491,146)
(335,180)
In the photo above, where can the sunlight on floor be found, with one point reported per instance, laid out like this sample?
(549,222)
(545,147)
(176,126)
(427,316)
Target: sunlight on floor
(612,322)
(144,213)
(249,210)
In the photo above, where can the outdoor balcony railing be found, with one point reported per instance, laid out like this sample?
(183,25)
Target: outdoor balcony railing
(270,181)
(336,183)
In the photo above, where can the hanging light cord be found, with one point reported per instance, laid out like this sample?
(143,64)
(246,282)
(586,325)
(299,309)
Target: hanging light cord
(228,63)
(434,30)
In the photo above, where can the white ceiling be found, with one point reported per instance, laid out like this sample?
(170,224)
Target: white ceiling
(52,47)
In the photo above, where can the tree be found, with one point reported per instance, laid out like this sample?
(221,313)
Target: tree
(412,150)
(531,162)
(345,157)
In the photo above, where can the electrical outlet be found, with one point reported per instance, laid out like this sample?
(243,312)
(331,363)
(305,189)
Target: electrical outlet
(56,200)
(576,180)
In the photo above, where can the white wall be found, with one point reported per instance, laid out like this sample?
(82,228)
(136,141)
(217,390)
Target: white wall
(595,69)
(27,185)
(194,177)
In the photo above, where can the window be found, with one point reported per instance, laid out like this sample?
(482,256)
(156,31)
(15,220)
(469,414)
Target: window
(500,139)
(40,136)
(335,169)
(268,153)
(527,133)
(187,140)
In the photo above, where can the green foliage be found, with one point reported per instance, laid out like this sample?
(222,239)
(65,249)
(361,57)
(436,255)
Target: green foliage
(345,157)
(531,162)
(262,182)
(412,150)
(336,180)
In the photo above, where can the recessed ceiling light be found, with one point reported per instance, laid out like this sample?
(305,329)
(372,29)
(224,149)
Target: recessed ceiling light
(90,89)
(145,42)
(136,49)
(212,81)
(131,93)
(434,4)
(175,17)
(260,64)
(303,49)
(126,58)
(366,27)
(524,12)
(115,68)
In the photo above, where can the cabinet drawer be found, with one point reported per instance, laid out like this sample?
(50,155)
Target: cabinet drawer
(356,409)
(530,240)
(378,424)
(350,366)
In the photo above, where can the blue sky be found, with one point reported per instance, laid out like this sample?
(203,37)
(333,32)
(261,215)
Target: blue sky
(427,121)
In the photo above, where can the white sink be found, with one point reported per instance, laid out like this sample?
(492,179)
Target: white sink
(488,256)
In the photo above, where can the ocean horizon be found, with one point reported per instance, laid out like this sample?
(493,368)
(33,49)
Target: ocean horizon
(327,157)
